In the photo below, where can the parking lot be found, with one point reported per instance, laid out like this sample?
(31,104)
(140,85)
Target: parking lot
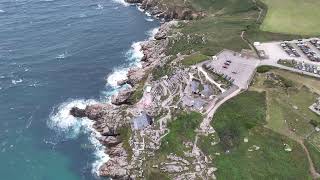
(304,50)
(308,67)
(235,68)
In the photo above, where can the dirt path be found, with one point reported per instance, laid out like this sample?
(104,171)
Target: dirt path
(314,173)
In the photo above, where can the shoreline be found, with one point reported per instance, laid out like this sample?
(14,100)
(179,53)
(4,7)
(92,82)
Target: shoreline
(107,144)
(106,117)
(115,121)
(152,54)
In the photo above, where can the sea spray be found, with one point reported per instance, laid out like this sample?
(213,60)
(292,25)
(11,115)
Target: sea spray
(70,127)
(151,33)
(123,2)
(134,56)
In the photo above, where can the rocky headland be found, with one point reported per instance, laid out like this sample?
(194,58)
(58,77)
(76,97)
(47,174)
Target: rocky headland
(167,11)
(110,118)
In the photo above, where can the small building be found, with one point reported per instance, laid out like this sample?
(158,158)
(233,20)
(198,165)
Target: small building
(141,121)
(148,89)
(195,86)
(256,43)
(207,91)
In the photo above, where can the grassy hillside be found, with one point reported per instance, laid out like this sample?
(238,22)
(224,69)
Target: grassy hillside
(182,129)
(263,156)
(292,17)
(222,27)
(289,96)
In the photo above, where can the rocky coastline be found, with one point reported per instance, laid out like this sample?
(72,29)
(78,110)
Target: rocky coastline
(110,118)
(166,12)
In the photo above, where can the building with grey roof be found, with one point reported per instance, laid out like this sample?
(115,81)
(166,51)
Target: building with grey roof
(141,121)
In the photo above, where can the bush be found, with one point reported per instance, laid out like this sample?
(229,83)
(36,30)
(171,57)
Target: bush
(264,69)
(286,82)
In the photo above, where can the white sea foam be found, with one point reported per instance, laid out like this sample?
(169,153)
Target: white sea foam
(99,6)
(62,56)
(117,75)
(135,53)
(70,127)
(140,9)
(151,33)
(16,81)
(134,56)
(2,11)
(61,120)
(123,2)
(149,19)
(148,14)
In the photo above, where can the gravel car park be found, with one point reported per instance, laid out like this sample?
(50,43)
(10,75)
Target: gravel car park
(233,67)
(303,50)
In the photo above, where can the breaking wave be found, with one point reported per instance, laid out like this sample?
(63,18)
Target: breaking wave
(99,6)
(62,56)
(70,127)
(134,55)
(152,33)
(123,2)
(16,81)
(149,19)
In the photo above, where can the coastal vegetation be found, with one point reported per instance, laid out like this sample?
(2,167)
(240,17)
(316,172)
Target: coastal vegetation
(288,101)
(125,134)
(258,134)
(233,25)
(182,129)
(233,122)
(194,59)
(262,154)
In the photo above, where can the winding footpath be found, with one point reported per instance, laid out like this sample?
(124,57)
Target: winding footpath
(314,173)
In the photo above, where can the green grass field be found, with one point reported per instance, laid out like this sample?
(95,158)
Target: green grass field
(288,107)
(314,154)
(292,17)
(181,129)
(194,59)
(244,116)
(238,115)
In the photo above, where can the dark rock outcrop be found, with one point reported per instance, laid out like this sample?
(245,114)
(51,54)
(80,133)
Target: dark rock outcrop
(134,1)
(77,112)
